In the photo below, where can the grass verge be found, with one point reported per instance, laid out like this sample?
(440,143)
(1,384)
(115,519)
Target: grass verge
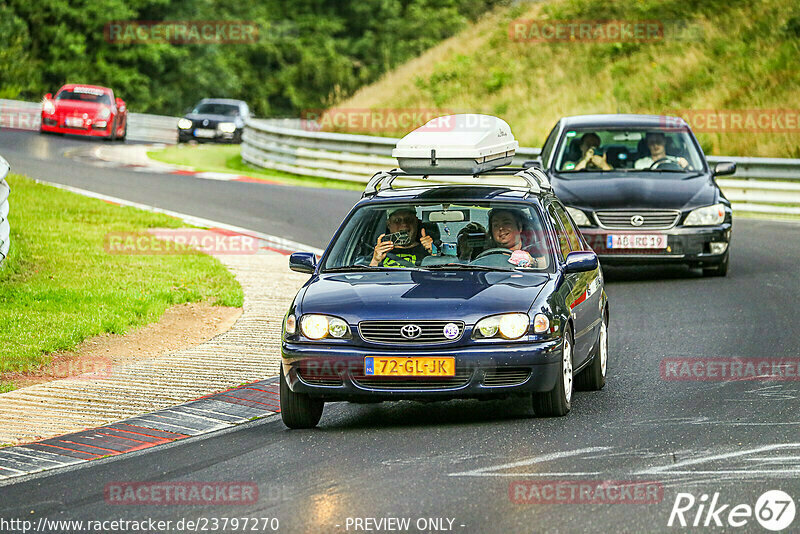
(59,286)
(228,158)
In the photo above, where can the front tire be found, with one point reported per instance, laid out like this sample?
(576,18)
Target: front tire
(299,410)
(558,401)
(593,378)
(719,270)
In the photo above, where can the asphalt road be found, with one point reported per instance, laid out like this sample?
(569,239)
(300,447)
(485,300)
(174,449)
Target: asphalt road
(457,460)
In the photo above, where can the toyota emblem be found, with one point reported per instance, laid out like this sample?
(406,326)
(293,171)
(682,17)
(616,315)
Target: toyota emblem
(411,331)
(637,220)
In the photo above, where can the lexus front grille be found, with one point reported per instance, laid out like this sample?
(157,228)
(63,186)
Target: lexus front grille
(638,219)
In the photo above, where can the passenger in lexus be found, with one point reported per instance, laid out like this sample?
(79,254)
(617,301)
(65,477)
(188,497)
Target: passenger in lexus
(406,246)
(590,157)
(657,144)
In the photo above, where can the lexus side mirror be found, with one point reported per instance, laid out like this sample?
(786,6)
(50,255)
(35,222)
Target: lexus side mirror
(303,262)
(532,163)
(48,96)
(724,167)
(581,262)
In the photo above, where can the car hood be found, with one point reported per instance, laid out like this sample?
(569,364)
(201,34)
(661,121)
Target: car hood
(210,117)
(76,106)
(636,190)
(420,295)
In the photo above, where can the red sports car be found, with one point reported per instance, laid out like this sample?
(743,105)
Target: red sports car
(85,110)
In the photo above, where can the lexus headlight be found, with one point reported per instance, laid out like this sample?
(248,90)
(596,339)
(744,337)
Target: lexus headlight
(105,113)
(579,217)
(707,216)
(321,326)
(227,127)
(506,326)
(184,124)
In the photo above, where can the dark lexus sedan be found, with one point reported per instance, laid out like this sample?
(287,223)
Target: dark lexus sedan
(443,292)
(214,119)
(641,190)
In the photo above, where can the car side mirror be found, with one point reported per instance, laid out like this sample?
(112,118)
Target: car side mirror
(532,163)
(724,167)
(581,262)
(303,262)
(120,104)
(48,96)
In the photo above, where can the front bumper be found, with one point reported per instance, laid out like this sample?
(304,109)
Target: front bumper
(55,124)
(187,135)
(336,372)
(685,245)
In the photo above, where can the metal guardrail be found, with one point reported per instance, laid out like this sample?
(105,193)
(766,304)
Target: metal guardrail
(5,228)
(293,146)
(15,114)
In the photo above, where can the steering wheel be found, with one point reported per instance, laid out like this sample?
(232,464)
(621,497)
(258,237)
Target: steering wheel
(666,165)
(496,250)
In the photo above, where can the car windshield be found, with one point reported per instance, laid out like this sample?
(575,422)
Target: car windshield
(459,236)
(213,108)
(584,152)
(85,94)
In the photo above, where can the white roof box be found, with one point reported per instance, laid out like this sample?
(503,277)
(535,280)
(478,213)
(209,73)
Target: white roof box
(457,144)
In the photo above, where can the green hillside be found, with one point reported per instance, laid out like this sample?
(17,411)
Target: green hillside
(739,56)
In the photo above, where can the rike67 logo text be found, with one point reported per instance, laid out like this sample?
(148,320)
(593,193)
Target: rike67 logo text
(774,510)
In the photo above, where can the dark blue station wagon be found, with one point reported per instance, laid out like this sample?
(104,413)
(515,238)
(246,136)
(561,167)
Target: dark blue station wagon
(469,318)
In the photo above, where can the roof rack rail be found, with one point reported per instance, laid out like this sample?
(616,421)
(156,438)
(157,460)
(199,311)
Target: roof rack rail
(536,179)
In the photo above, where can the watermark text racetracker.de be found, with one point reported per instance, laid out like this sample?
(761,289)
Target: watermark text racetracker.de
(735,120)
(729,369)
(180,241)
(375,120)
(602,31)
(181,31)
(194,524)
(585,492)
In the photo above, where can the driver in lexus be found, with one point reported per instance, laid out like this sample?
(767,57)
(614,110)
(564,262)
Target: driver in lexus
(403,227)
(657,143)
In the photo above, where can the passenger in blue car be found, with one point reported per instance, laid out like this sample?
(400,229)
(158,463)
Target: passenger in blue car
(402,247)
(509,230)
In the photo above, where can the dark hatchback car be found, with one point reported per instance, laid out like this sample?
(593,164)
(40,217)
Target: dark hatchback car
(214,119)
(471,320)
(641,190)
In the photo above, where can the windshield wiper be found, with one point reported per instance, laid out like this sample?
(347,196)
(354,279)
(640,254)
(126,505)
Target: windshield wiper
(464,267)
(367,268)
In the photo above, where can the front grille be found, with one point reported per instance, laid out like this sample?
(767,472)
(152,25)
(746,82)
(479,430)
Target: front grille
(389,332)
(198,123)
(317,380)
(461,378)
(653,220)
(506,376)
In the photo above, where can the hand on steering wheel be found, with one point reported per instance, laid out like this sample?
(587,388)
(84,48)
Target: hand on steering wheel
(496,250)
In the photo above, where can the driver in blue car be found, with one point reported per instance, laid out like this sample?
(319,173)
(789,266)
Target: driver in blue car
(401,247)
(657,144)
(508,230)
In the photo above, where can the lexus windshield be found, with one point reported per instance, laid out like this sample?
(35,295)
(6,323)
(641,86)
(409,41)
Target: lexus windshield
(641,150)
(480,236)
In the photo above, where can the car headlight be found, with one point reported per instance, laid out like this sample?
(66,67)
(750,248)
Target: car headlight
(320,326)
(48,107)
(706,216)
(507,325)
(105,113)
(227,127)
(184,124)
(579,217)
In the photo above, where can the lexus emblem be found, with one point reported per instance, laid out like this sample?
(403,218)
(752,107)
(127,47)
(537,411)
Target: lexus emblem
(411,331)
(205,122)
(637,220)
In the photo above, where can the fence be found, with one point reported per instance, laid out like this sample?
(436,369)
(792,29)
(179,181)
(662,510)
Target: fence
(5,229)
(19,115)
(759,185)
